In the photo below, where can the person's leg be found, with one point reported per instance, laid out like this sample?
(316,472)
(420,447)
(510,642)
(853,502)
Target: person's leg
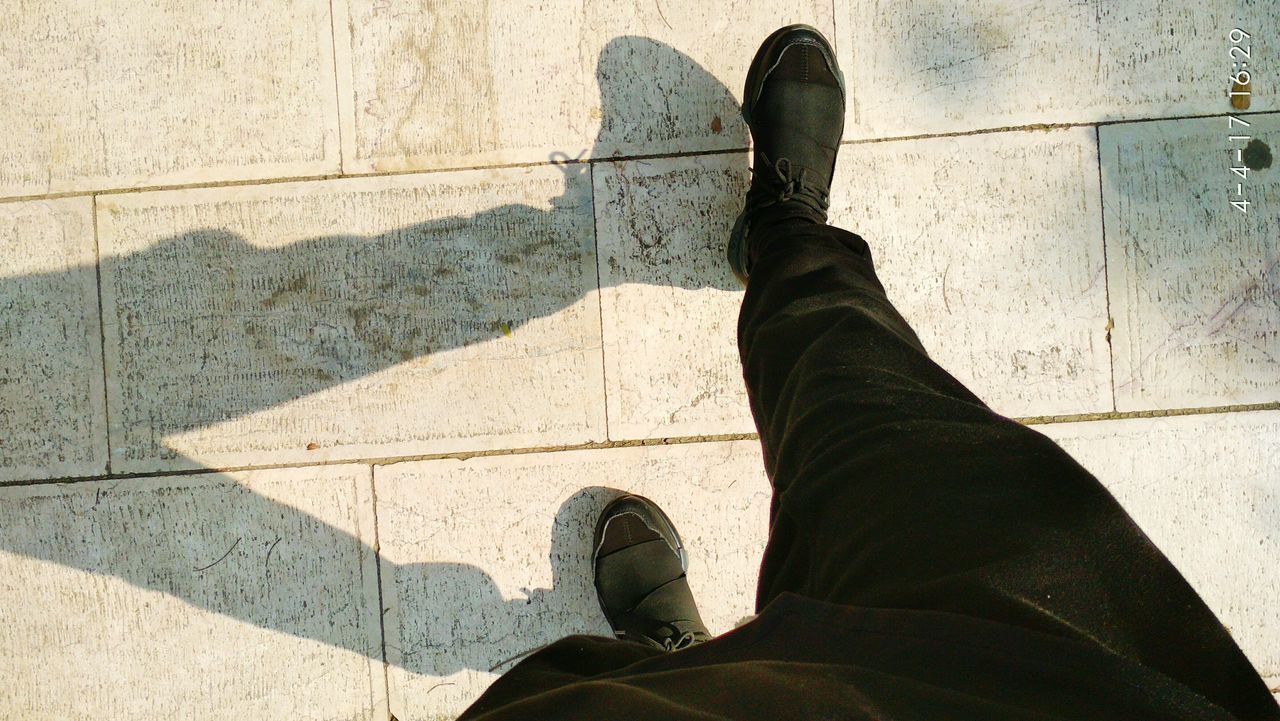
(896,487)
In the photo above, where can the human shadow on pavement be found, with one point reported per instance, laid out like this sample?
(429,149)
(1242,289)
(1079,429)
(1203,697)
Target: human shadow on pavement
(249,328)
(277,567)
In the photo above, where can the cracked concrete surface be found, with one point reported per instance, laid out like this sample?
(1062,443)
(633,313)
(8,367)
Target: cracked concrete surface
(326,329)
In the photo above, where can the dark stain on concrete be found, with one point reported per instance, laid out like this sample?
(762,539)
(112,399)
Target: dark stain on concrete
(1256,155)
(360,314)
(297,285)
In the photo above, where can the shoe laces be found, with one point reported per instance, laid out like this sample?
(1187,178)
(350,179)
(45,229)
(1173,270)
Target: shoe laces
(669,635)
(789,186)
(684,640)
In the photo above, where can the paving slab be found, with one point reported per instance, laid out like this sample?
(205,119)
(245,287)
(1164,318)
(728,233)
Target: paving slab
(307,322)
(122,93)
(52,404)
(488,559)
(991,247)
(1194,280)
(669,302)
(459,83)
(1206,490)
(923,66)
(195,597)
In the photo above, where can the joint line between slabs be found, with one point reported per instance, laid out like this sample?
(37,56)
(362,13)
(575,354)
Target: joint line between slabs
(622,443)
(595,243)
(377,565)
(621,158)
(1106,270)
(337,88)
(102,330)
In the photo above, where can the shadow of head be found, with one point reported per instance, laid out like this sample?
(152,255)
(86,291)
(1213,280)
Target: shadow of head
(656,99)
(199,312)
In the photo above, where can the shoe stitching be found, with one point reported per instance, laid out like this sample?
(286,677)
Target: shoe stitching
(626,529)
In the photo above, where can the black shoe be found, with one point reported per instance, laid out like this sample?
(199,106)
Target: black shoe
(794,105)
(640,567)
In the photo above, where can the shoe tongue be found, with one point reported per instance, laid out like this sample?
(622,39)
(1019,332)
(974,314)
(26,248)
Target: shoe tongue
(795,115)
(625,577)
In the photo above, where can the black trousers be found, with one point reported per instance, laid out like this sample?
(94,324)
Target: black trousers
(896,489)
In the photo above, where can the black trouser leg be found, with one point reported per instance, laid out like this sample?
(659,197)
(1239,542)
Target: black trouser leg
(894,486)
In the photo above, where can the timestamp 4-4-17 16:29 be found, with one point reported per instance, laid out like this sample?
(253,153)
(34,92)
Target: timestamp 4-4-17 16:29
(1240,94)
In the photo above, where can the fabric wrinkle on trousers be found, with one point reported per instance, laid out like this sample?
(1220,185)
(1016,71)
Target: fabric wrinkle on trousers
(900,496)
(896,487)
